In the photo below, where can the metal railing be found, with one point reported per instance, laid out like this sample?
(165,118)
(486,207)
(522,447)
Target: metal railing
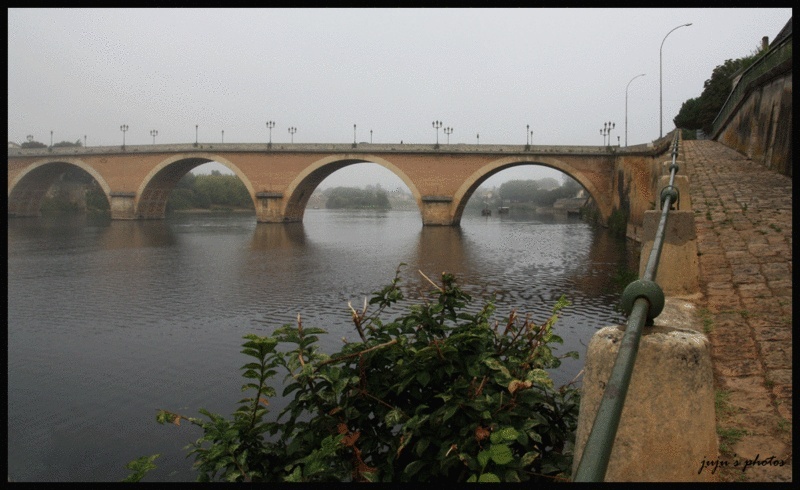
(775,57)
(643,300)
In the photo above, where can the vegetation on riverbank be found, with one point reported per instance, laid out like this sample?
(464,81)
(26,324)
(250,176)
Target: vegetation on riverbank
(442,393)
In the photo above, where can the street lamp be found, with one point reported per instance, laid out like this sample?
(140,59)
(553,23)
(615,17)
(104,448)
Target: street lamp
(448,132)
(124,129)
(51,138)
(370,136)
(606,131)
(626,107)
(527,134)
(223,136)
(29,138)
(270,125)
(660,87)
(437,125)
(531,137)
(154,133)
(195,134)
(292,130)
(354,135)
(478,137)
(84,141)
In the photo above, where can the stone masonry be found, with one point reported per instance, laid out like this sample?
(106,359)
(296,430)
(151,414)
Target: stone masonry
(743,216)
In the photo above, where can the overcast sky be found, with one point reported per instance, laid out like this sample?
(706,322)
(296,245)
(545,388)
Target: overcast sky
(490,72)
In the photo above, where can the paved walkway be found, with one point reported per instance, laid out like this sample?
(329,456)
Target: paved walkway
(743,216)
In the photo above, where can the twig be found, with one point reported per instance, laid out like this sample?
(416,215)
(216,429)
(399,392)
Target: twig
(355,354)
(429,280)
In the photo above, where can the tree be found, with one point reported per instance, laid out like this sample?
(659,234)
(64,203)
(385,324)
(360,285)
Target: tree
(699,113)
(33,144)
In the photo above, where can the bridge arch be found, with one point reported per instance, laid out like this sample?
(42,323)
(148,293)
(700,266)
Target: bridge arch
(153,192)
(28,188)
(300,189)
(472,182)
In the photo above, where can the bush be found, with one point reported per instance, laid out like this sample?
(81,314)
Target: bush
(438,394)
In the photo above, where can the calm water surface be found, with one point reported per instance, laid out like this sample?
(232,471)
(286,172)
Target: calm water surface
(110,321)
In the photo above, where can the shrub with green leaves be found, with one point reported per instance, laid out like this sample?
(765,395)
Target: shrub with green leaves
(438,394)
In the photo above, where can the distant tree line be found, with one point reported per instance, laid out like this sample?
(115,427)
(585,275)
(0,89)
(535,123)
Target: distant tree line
(537,191)
(209,191)
(355,198)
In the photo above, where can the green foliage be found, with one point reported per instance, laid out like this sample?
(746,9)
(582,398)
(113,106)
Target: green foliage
(699,113)
(438,394)
(207,191)
(33,144)
(139,467)
(355,198)
(543,192)
(68,144)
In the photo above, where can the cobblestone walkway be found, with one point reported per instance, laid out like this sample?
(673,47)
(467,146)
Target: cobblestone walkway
(743,216)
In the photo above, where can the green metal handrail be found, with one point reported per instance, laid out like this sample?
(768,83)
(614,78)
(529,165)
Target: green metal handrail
(644,299)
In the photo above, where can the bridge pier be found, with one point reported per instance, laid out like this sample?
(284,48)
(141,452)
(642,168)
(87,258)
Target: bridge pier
(123,205)
(269,207)
(437,211)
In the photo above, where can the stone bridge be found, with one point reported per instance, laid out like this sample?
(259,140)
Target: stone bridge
(280,178)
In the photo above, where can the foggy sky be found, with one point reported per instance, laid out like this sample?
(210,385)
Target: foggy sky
(490,72)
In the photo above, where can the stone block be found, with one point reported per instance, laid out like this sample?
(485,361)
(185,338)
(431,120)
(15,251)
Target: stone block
(667,427)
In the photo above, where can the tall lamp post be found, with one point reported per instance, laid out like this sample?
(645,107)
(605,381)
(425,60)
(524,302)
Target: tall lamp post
(660,86)
(370,136)
(437,125)
(448,132)
(531,137)
(223,136)
(292,130)
(478,137)
(527,134)
(124,129)
(354,135)
(51,138)
(154,133)
(195,134)
(84,141)
(270,125)
(626,107)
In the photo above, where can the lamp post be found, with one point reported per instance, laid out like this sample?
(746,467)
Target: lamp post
(531,137)
(29,138)
(51,138)
(195,134)
(448,132)
(626,107)
(478,137)
(370,136)
(84,141)
(270,125)
(660,86)
(292,130)
(437,125)
(527,134)
(124,129)
(223,136)
(154,133)
(354,135)
(606,131)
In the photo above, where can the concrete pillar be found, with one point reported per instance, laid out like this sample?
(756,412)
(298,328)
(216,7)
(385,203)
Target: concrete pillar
(678,267)
(667,428)
(123,205)
(436,210)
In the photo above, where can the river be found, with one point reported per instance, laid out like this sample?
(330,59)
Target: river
(109,321)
